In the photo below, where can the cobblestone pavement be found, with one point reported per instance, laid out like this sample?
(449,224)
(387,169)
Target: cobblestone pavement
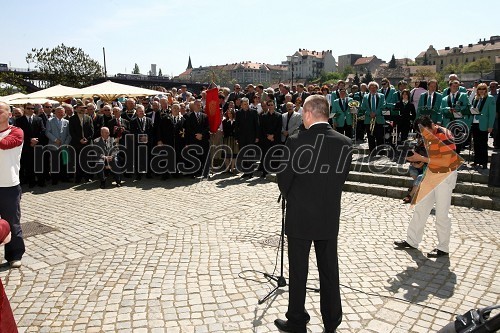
(165,256)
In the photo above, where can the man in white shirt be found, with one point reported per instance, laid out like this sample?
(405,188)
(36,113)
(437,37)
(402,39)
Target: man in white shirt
(11,143)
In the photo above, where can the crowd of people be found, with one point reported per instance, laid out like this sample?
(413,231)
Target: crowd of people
(176,119)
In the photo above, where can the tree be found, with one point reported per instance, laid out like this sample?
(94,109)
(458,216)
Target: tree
(348,70)
(11,83)
(136,69)
(356,80)
(65,65)
(424,74)
(368,77)
(160,73)
(481,66)
(426,61)
(392,63)
(451,68)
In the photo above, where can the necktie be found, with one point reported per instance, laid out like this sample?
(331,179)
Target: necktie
(373,102)
(287,121)
(429,100)
(453,98)
(29,120)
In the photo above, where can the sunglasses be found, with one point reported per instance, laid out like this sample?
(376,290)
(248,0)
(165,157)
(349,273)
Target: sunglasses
(30,108)
(47,107)
(481,89)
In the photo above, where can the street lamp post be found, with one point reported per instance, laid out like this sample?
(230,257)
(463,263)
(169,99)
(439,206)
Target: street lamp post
(291,59)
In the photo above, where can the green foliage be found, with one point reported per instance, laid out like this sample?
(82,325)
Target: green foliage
(426,61)
(481,66)
(368,77)
(160,73)
(348,70)
(452,68)
(424,74)
(136,69)
(327,78)
(442,82)
(356,80)
(392,63)
(65,65)
(10,83)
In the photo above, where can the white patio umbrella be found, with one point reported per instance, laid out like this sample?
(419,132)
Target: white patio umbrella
(59,93)
(109,91)
(21,101)
(8,98)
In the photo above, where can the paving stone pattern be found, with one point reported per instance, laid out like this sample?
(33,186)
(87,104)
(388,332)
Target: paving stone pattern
(165,256)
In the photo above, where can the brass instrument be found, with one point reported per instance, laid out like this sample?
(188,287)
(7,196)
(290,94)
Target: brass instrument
(372,125)
(395,133)
(354,105)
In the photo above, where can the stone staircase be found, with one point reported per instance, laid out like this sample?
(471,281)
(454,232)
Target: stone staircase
(382,176)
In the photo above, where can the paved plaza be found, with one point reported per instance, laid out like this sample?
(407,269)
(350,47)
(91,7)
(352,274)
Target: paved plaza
(168,256)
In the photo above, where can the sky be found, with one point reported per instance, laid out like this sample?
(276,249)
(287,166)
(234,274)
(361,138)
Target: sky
(166,32)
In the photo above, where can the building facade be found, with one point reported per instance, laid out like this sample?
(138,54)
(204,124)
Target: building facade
(364,64)
(309,64)
(461,54)
(347,60)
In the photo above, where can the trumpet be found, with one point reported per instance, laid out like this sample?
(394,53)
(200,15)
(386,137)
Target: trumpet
(372,125)
(353,104)
(395,134)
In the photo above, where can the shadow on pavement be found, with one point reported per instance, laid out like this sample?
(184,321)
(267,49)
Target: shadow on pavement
(428,278)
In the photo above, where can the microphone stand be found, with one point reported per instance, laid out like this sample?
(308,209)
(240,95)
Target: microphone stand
(280,280)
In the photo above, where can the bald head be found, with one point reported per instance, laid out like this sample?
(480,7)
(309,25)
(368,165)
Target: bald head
(315,109)
(4,115)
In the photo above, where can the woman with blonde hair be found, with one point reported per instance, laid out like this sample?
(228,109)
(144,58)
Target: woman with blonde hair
(483,112)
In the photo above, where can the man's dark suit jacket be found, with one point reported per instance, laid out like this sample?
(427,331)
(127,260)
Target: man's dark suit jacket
(247,127)
(77,133)
(35,130)
(313,198)
(193,126)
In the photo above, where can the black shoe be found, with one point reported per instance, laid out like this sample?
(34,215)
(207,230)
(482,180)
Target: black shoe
(437,253)
(54,182)
(118,184)
(403,245)
(103,184)
(284,326)
(138,177)
(243,176)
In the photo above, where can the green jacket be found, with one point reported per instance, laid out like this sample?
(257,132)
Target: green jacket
(462,105)
(390,97)
(342,113)
(367,108)
(488,110)
(434,110)
(446,91)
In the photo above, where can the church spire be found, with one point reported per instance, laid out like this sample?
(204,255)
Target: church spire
(189,64)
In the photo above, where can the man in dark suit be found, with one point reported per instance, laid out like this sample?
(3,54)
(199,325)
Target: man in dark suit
(34,131)
(270,135)
(155,116)
(171,132)
(246,130)
(313,212)
(301,93)
(142,128)
(198,133)
(81,131)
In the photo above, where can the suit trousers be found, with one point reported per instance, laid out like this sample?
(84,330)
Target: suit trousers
(441,195)
(330,303)
(377,139)
(480,145)
(346,130)
(10,210)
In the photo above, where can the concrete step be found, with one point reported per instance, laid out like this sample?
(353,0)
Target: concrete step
(384,166)
(405,182)
(458,199)
(465,154)
(473,199)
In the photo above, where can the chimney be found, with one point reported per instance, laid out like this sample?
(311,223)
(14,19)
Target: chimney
(460,46)
(470,45)
(447,48)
